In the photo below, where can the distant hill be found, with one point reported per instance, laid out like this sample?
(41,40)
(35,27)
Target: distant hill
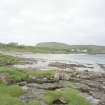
(53,45)
(66,48)
(55,48)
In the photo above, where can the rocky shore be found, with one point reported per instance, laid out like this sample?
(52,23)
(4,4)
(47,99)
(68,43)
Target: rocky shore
(90,84)
(89,79)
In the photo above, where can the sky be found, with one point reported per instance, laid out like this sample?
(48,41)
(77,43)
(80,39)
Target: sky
(68,21)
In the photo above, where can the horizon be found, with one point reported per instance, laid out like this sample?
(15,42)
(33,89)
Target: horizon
(51,42)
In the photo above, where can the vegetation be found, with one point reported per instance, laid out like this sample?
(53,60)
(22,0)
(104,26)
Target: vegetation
(14,73)
(53,47)
(21,74)
(70,95)
(9,94)
(8,60)
(34,103)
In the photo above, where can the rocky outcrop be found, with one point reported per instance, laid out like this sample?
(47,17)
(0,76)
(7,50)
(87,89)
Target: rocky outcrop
(92,84)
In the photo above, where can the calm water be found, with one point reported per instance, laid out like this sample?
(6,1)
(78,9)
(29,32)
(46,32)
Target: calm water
(79,58)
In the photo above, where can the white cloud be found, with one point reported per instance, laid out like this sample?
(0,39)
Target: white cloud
(70,21)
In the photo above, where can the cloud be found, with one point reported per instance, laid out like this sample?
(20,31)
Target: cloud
(70,21)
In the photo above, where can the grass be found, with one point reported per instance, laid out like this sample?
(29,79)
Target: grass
(14,73)
(8,60)
(47,73)
(9,95)
(34,103)
(8,100)
(72,97)
(17,75)
(13,90)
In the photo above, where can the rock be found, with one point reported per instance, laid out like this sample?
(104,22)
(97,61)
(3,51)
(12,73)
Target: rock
(59,101)
(102,101)
(66,77)
(61,75)
(62,99)
(26,99)
(92,100)
(42,80)
(5,78)
(82,87)
(22,83)
(97,95)
(64,65)
(46,86)
(52,86)
(25,88)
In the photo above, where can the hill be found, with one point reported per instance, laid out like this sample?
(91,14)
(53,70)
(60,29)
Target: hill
(53,45)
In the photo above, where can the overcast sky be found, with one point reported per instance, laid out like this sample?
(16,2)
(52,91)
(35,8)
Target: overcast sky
(69,21)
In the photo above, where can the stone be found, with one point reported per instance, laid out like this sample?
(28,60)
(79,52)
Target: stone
(22,83)
(25,88)
(42,80)
(26,99)
(46,86)
(59,101)
(5,78)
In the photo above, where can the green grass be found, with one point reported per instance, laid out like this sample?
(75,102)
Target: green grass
(9,95)
(47,73)
(8,100)
(34,103)
(72,97)
(17,75)
(13,90)
(14,73)
(8,60)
